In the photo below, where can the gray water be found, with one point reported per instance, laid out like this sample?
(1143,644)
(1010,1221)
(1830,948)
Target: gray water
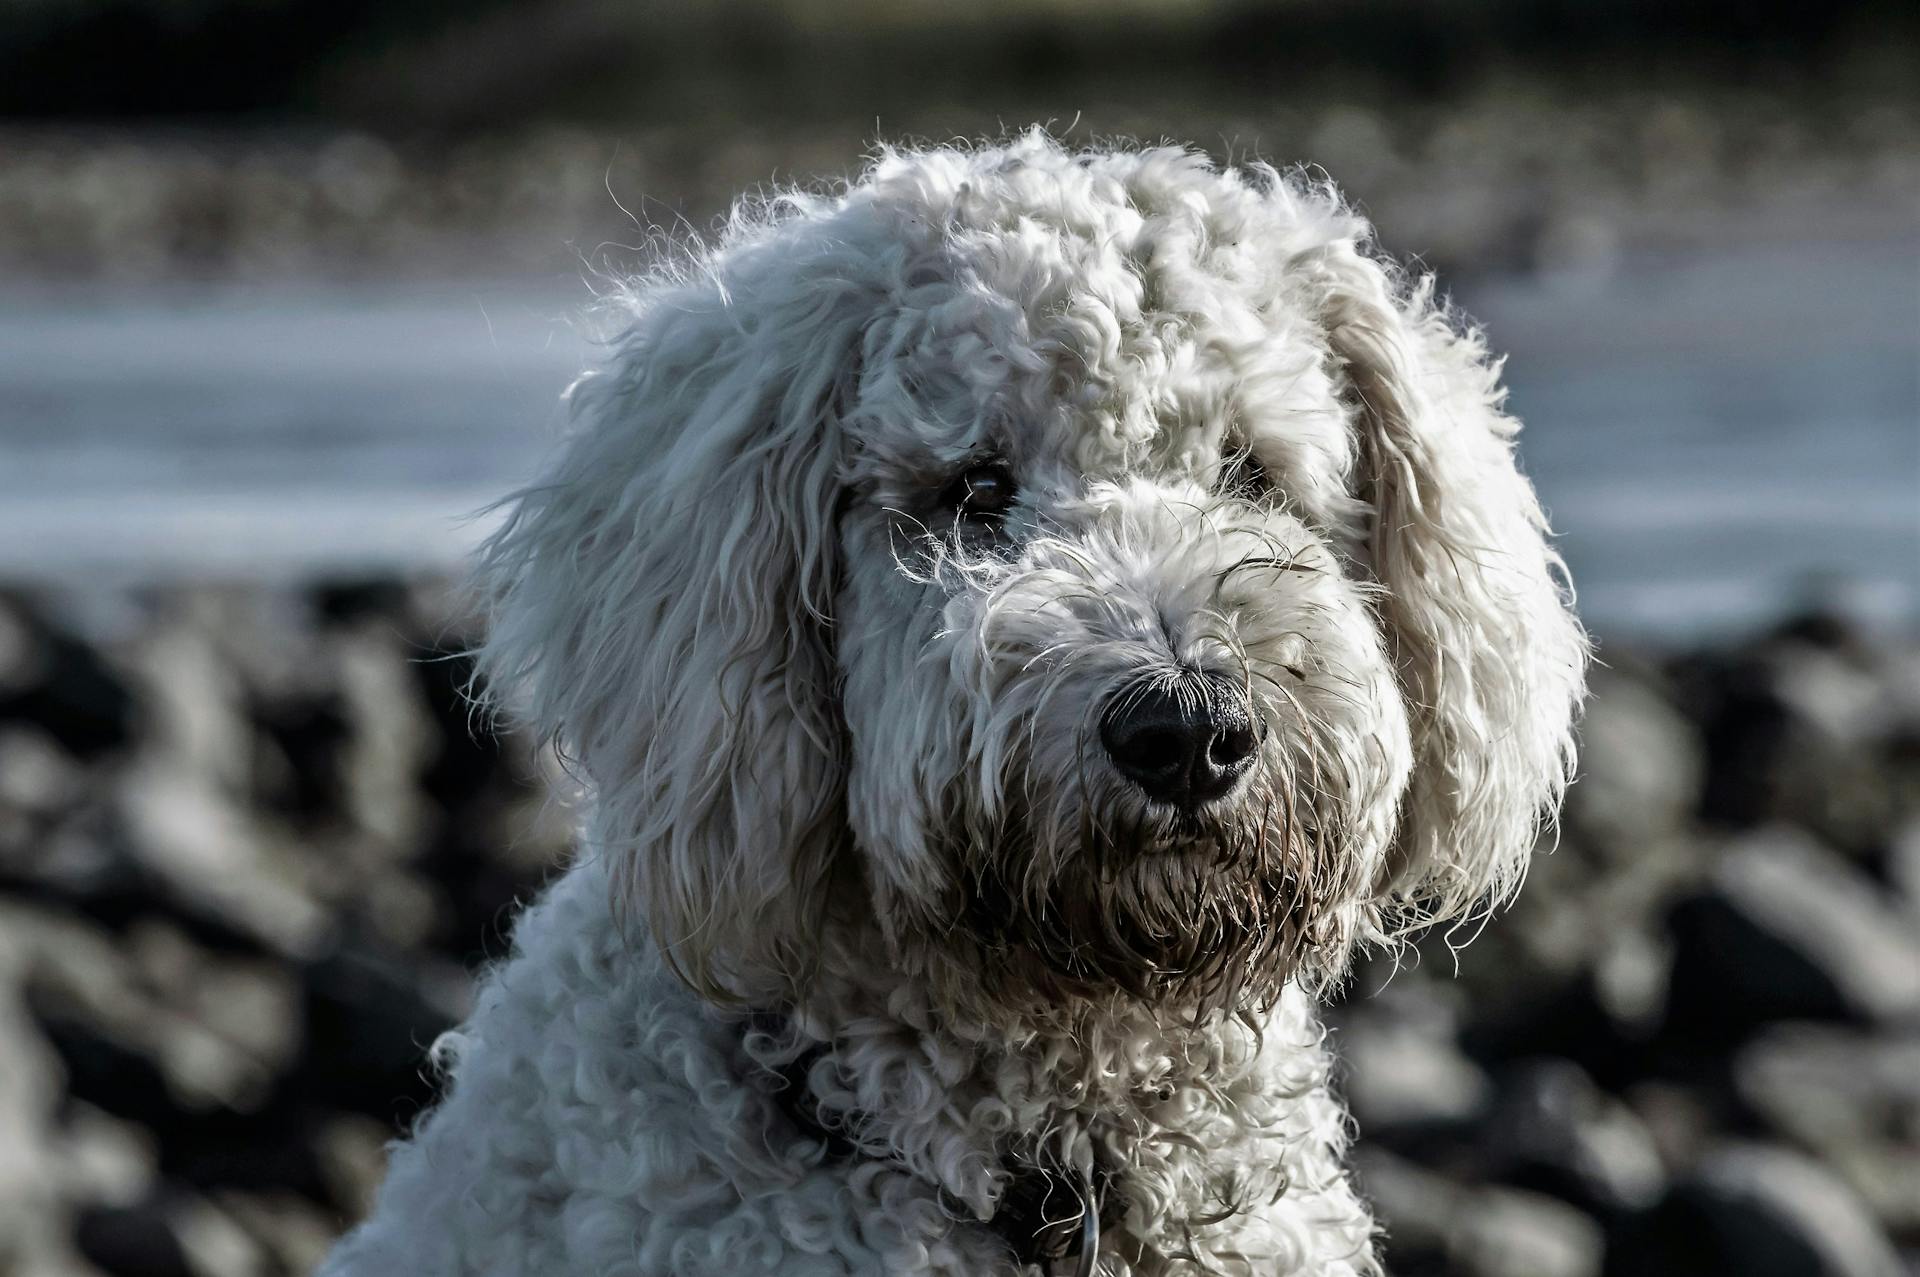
(1717,438)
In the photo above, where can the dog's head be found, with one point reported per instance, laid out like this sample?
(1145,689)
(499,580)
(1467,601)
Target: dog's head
(1100,567)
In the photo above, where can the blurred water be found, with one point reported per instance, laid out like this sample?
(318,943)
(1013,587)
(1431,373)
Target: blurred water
(1714,435)
(270,433)
(1722,436)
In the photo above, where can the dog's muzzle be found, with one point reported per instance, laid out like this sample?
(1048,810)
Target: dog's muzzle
(1185,742)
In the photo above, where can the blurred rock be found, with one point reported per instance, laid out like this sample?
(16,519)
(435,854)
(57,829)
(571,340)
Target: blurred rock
(219,858)
(196,689)
(1788,930)
(171,1235)
(101,1160)
(1794,727)
(132,1241)
(56,682)
(31,1084)
(1631,977)
(37,776)
(133,1038)
(1505,1233)
(1758,1212)
(1903,866)
(228,934)
(1418,1208)
(1641,764)
(1435,1225)
(1404,1069)
(370,1018)
(393,738)
(1555,1132)
(353,1160)
(1677,1117)
(39,783)
(1851,1098)
(291,1232)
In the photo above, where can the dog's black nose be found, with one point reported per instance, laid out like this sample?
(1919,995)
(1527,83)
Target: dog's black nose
(1184,743)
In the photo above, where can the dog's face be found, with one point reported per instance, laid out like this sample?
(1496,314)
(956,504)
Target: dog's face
(1094,559)
(1119,713)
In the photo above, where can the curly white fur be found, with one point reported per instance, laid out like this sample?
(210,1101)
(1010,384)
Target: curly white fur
(851,826)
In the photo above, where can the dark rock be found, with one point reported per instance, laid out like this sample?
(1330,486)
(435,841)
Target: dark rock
(171,1235)
(1553,1131)
(308,734)
(1573,1019)
(1821,628)
(1755,1211)
(117,1076)
(59,684)
(370,1019)
(132,1241)
(347,600)
(469,761)
(499,834)
(1793,730)
(224,1150)
(1787,930)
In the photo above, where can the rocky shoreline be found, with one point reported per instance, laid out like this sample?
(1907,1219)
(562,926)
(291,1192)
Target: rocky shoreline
(253,845)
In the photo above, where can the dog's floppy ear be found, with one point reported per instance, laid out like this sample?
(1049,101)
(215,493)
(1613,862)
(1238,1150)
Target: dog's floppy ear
(1475,604)
(660,608)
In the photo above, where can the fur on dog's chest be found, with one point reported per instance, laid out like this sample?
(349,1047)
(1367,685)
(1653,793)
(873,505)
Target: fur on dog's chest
(1171,1134)
(1041,1211)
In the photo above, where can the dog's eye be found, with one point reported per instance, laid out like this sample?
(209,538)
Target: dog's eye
(1245,478)
(984,491)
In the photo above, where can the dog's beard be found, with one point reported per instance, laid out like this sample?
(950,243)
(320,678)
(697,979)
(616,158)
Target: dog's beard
(1208,911)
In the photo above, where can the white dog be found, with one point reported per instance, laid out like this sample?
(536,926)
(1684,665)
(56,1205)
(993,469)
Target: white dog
(1023,619)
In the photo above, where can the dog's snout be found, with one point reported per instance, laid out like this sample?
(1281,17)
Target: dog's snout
(1184,743)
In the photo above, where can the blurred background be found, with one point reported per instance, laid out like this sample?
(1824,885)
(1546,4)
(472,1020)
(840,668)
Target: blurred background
(288,292)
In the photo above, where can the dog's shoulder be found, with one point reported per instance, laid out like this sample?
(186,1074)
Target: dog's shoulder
(600,1117)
